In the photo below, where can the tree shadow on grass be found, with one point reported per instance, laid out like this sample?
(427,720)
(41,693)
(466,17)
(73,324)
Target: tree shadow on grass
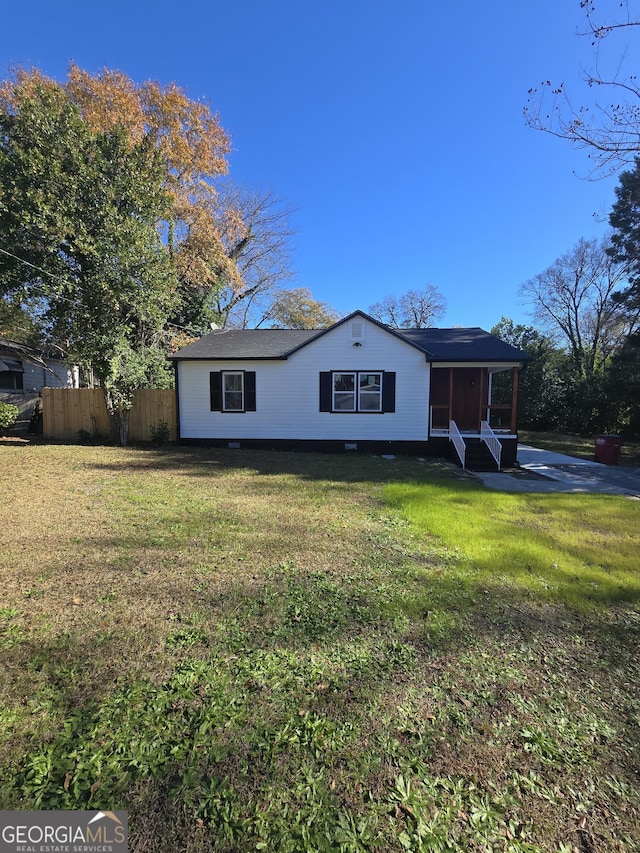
(252,675)
(347,467)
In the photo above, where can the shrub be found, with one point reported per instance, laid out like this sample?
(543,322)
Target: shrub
(8,415)
(161,433)
(95,437)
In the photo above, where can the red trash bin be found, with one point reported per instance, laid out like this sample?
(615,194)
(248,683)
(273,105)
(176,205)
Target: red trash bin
(608,449)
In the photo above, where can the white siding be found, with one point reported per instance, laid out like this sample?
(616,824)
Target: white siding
(287,393)
(51,373)
(54,375)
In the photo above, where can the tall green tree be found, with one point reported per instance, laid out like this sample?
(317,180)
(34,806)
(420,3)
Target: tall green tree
(625,239)
(622,388)
(230,247)
(542,387)
(16,324)
(78,216)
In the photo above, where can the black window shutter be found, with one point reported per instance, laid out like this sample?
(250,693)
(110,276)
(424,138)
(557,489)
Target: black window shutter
(215,389)
(250,391)
(388,391)
(325,391)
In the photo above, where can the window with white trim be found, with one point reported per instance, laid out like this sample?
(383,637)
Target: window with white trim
(370,392)
(344,392)
(357,391)
(232,391)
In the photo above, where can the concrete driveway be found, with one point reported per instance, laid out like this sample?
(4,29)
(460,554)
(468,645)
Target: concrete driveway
(543,471)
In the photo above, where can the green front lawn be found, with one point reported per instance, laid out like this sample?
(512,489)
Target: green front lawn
(302,652)
(578,445)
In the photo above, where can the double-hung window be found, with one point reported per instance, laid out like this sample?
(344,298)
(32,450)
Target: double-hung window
(232,391)
(344,392)
(357,391)
(369,392)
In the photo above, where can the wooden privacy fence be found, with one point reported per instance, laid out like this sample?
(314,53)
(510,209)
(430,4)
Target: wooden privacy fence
(67,411)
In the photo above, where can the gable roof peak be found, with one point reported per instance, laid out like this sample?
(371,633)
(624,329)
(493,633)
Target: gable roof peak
(436,344)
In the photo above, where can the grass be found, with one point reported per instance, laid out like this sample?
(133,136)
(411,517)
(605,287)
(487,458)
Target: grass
(578,445)
(569,548)
(292,652)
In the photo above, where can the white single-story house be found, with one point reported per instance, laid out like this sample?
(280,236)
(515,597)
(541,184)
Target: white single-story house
(25,371)
(357,385)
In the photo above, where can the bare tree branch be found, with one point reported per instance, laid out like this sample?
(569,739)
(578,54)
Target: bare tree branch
(607,122)
(257,237)
(415,309)
(572,301)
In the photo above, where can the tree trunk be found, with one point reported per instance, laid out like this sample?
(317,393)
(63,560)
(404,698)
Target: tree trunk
(123,428)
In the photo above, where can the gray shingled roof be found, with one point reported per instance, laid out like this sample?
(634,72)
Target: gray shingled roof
(437,344)
(246,343)
(463,345)
(26,352)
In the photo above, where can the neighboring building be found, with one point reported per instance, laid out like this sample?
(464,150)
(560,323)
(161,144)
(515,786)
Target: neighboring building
(24,372)
(358,385)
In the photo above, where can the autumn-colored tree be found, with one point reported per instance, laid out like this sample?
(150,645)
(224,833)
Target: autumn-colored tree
(80,247)
(296,308)
(187,134)
(229,247)
(210,236)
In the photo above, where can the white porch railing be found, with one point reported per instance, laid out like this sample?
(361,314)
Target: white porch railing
(458,441)
(492,441)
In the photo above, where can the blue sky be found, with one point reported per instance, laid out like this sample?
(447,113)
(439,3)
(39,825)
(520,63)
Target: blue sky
(395,129)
